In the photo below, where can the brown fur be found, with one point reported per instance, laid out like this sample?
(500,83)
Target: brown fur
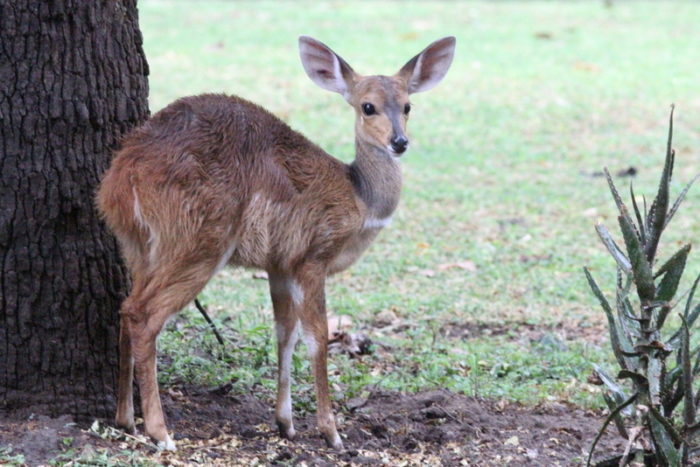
(213,180)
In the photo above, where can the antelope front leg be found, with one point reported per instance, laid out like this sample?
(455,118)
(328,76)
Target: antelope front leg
(287,326)
(312,314)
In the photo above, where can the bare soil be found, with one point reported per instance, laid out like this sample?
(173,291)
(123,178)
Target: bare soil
(565,331)
(388,428)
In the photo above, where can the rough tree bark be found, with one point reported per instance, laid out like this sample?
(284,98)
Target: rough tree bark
(72,81)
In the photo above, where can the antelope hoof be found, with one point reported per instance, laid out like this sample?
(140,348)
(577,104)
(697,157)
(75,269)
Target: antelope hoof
(127,425)
(334,441)
(167,444)
(286,430)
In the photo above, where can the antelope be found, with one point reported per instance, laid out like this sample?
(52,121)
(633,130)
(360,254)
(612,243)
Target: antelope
(215,180)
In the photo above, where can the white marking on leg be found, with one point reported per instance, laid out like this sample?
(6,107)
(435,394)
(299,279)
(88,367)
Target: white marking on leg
(311,343)
(225,257)
(296,292)
(140,220)
(143,223)
(287,351)
(375,223)
(337,442)
(167,444)
(137,209)
(284,411)
(289,287)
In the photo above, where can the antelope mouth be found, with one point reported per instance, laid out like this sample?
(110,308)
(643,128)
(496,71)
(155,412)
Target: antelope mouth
(394,153)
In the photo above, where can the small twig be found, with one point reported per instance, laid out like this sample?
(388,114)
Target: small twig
(203,311)
(634,433)
(116,432)
(137,440)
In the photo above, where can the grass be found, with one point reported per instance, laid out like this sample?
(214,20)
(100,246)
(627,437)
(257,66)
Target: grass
(541,95)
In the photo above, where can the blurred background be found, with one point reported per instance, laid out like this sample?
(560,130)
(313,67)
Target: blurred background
(477,285)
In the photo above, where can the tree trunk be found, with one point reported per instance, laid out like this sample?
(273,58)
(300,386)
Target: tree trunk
(72,81)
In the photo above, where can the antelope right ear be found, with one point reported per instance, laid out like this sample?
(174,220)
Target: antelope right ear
(325,67)
(426,70)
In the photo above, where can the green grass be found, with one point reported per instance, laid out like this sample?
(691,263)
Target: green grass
(540,95)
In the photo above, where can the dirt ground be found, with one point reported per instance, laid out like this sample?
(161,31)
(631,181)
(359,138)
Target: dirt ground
(387,428)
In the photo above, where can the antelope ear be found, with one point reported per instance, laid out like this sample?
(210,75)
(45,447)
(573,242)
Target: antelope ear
(426,70)
(325,67)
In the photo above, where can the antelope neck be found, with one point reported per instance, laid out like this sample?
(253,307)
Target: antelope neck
(376,176)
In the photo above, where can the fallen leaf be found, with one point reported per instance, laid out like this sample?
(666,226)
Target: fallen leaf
(466,265)
(513,441)
(501,405)
(409,36)
(385,318)
(584,66)
(175,394)
(338,324)
(593,378)
(590,212)
(352,344)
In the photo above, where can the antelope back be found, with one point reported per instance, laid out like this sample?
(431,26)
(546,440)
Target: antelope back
(211,171)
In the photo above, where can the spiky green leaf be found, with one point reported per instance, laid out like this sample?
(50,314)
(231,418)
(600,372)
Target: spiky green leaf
(663,438)
(690,316)
(612,247)
(680,199)
(663,313)
(616,391)
(659,209)
(627,330)
(624,212)
(672,271)
(613,190)
(672,376)
(687,377)
(689,302)
(674,260)
(632,319)
(638,215)
(619,422)
(612,325)
(641,270)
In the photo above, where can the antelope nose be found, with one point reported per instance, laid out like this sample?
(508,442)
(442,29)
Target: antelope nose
(399,144)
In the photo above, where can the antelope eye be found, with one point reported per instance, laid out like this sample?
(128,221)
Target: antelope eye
(406,108)
(368,109)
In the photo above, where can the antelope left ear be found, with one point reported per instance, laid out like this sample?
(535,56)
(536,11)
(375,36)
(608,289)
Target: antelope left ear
(426,70)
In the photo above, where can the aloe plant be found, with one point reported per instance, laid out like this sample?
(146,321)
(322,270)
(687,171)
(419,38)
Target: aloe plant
(658,362)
